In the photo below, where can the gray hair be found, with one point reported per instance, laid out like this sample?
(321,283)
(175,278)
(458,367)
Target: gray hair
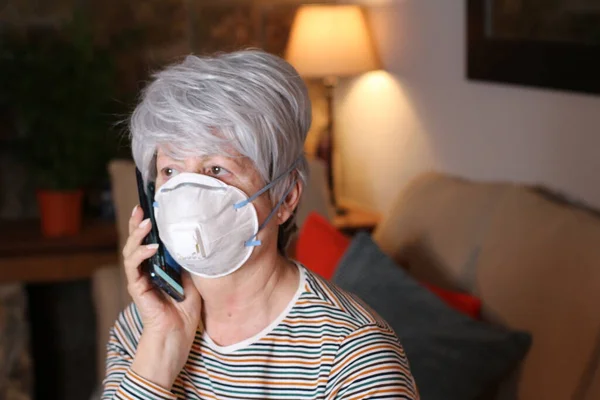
(248,101)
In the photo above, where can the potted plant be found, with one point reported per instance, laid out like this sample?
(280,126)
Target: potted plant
(59,90)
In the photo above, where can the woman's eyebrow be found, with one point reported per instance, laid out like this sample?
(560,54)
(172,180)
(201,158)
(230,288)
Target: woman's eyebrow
(165,159)
(238,161)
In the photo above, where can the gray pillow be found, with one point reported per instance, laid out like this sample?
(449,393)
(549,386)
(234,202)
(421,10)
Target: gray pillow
(451,355)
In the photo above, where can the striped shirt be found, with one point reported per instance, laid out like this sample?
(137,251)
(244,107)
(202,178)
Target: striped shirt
(327,344)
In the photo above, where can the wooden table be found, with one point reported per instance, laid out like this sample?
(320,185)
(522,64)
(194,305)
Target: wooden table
(26,256)
(356,218)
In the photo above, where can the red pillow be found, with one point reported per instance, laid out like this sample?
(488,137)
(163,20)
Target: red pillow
(463,302)
(320,247)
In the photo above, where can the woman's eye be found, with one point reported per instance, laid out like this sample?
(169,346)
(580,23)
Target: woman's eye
(169,172)
(217,171)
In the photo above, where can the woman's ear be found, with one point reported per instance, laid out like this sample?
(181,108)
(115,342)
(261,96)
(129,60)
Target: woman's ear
(290,203)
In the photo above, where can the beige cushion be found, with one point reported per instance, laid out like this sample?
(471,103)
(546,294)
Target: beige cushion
(109,293)
(125,195)
(538,270)
(435,228)
(533,262)
(109,284)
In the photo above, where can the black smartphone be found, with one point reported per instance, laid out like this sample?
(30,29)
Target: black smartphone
(164,275)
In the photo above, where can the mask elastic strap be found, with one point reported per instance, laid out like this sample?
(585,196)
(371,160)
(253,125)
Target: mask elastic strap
(264,189)
(252,242)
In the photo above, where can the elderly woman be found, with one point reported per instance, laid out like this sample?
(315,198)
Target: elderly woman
(223,138)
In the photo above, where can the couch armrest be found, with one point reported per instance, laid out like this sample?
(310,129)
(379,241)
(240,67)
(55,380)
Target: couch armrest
(110,297)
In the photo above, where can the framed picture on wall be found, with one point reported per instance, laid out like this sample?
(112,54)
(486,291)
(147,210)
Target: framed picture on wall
(542,43)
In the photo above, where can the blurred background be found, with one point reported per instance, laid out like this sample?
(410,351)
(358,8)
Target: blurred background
(412,86)
(70,73)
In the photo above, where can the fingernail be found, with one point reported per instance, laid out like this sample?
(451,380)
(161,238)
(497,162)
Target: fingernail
(134,210)
(145,223)
(152,246)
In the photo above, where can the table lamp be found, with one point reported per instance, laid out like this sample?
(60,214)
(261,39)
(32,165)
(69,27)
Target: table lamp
(329,42)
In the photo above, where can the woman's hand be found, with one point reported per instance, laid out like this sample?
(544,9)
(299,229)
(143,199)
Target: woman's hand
(169,326)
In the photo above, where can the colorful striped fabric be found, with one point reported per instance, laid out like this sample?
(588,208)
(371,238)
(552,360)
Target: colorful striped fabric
(326,345)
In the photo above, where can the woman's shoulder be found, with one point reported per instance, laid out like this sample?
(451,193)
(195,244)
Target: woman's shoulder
(346,306)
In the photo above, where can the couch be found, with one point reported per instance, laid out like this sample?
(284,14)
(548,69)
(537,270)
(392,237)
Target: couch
(531,257)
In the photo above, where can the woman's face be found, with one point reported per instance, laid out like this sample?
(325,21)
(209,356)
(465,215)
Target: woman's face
(235,171)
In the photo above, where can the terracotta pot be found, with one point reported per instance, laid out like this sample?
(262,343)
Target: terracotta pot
(60,212)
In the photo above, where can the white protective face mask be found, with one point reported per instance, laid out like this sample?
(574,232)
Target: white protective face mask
(207,226)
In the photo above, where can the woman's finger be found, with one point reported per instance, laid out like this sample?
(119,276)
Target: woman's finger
(140,287)
(132,263)
(136,217)
(136,237)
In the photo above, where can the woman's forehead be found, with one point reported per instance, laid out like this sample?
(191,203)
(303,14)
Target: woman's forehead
(175,153)
(166,152)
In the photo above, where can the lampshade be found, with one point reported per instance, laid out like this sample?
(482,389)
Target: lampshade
(330,40)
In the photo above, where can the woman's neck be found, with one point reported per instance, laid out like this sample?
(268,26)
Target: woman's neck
(244,303)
